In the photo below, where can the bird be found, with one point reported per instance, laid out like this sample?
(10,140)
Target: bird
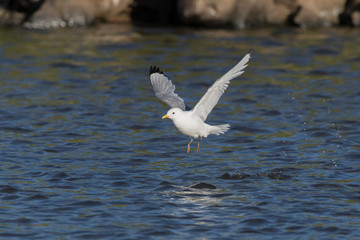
(192,122)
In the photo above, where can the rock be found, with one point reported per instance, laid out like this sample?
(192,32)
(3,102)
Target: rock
(272,175)
(235,176)
(69,13)
(247,13)
(10,18)
(237,13)
(18,11)
(207,13)
(351,13)
(203,185)
(277,176)
(264,13)
(318,13)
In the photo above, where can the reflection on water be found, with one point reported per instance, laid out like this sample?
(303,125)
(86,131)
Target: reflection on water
(85,153)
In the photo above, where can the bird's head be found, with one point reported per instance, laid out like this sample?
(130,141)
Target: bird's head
(173,113)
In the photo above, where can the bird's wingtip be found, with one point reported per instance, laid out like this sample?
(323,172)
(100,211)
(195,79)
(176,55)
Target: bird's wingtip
(155,69)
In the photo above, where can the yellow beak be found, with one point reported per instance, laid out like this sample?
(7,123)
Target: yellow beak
(165,116)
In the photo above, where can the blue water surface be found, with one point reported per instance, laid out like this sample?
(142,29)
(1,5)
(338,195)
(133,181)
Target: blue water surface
(86,155)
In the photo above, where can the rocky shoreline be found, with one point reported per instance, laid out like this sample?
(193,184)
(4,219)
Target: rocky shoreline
(238,14)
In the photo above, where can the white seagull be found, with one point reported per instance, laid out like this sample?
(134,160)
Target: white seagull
(192,123)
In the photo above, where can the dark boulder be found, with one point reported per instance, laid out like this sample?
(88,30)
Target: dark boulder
(203,185)
(348,16)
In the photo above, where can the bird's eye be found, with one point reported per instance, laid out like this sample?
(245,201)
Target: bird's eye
(173,112)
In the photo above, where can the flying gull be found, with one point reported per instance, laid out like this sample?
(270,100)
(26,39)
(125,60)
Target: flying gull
(192,123)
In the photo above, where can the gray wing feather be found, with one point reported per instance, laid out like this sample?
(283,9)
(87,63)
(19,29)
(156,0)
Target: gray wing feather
(213,94)
(164,89)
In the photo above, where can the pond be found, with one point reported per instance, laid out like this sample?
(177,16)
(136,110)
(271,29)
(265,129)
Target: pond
(86,155)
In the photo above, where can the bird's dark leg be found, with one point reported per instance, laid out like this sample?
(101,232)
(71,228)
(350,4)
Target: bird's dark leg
(188,146)
(198,145)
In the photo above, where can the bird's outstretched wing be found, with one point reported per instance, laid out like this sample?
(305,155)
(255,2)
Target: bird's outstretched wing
(164,89)
(213,94)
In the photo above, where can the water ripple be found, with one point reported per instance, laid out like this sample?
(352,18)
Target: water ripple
(85,153)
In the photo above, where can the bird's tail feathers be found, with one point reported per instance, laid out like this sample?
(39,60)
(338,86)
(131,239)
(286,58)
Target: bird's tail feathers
(219,129)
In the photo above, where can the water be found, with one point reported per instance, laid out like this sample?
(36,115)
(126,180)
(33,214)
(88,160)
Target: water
(86,155)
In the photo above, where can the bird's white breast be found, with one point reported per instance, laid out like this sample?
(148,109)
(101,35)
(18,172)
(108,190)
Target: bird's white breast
(191,125)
